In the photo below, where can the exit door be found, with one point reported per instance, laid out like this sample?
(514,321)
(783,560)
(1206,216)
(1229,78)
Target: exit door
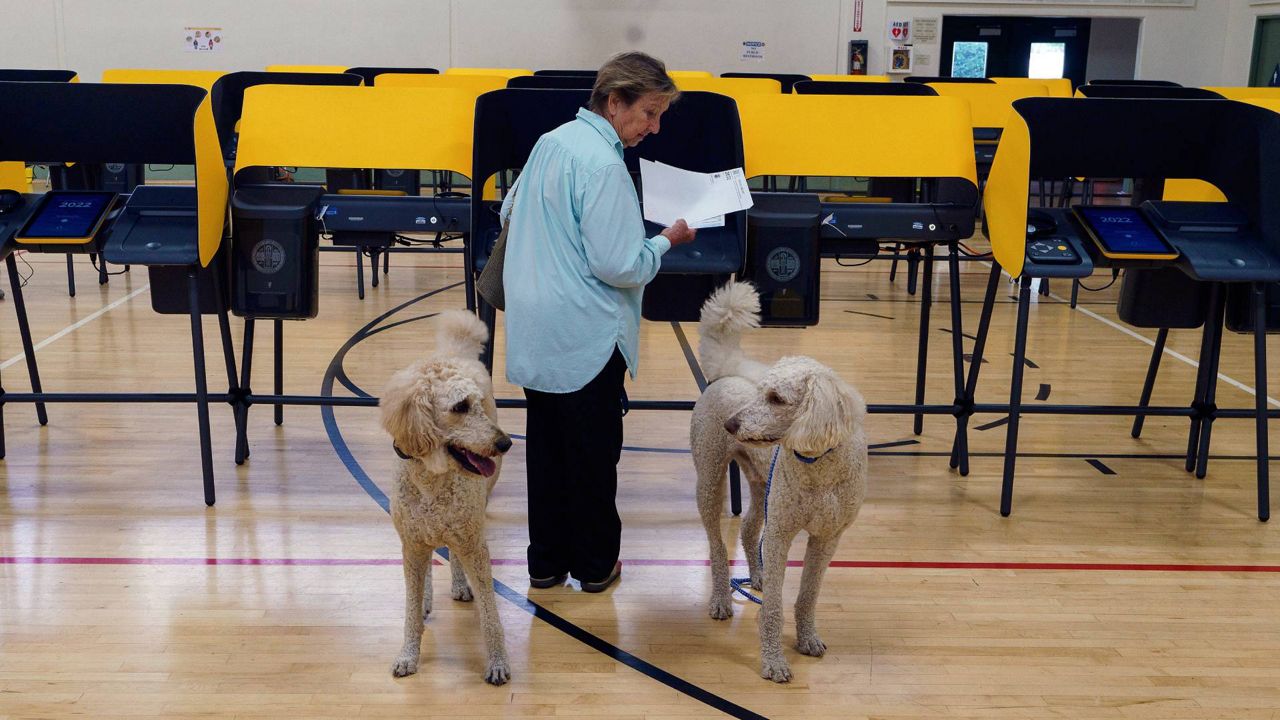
(1266,51)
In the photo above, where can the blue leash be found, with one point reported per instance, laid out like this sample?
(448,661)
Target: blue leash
(739,585)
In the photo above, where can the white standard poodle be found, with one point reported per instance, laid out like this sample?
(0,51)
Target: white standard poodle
(795,428)
(443,421)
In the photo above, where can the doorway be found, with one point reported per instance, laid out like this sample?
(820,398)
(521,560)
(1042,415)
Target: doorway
(1001,46)
(1266,52)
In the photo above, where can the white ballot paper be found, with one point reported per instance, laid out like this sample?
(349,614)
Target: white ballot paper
(702,199)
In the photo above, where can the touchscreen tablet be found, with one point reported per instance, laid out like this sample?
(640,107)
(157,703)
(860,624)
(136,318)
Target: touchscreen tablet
(67,216)
(1124,233)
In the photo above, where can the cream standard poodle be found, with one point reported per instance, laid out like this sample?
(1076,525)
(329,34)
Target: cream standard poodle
(795,428)
(443,421)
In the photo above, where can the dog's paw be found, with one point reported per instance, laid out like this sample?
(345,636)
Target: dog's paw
(811,646)
(404,665)
(498,672)
(462,593)
(776,670)
(720,608)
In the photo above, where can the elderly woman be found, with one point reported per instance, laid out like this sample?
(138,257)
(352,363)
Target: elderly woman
(577,261)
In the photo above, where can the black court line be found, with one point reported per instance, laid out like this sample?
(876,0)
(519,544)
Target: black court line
(899,443)
(993,424)
(1028,362)
(963,334)
(1043,392)
(516,598)
(1100,466)
(859,312)
(690,357)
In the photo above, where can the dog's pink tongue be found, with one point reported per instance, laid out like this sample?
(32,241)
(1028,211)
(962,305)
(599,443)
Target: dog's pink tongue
(486,466)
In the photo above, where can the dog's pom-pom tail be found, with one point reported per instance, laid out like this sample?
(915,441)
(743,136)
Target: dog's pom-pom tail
(730,311)
(460,334)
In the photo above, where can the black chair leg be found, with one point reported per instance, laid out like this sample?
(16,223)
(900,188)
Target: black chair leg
(960,447)
(922,355)
(279,370)
(24,331)
(735,489)
(202,389)
(1149,384)
(242,408)
(1015,396)
(1260,398)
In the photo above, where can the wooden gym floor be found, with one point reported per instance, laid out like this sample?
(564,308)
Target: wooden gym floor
(1121,586)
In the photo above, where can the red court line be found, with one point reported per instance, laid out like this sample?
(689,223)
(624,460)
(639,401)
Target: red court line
(651,562)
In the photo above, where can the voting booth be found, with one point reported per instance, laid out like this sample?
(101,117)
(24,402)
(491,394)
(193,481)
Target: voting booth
(1230,247)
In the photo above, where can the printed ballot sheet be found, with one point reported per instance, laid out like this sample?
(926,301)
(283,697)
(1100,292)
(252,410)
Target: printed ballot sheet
(702,199)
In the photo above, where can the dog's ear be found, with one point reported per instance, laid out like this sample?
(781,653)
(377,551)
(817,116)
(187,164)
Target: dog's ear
(827,416)
(407,415)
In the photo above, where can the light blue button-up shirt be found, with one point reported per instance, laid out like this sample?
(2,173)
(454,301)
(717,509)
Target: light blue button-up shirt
(577,259)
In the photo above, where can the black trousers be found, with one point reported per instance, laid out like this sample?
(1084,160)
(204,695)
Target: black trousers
(573,444)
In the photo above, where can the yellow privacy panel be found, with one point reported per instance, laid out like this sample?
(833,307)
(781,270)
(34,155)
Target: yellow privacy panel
(308,68)
(13,176)
(733,87)
(211,182)
(1057,87)
(200,78)
(499,72)
(678,74)
(991,105)
(1247,93)
(1192,191)
(1005,197)
(356,127)
(864,135)
(849,78)
(475,85)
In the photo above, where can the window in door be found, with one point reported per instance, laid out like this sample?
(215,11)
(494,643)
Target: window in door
(969,59)
(1046,60)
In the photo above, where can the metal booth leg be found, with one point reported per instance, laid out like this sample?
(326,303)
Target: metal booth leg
(373,266)
(24,330)
(1015,395)
(922,356)
(242,408)
(1213,324)
(71,276)
(1260,397)
(360,272)
(489,316)
(893,266)
(1150,383)
(957,345)
(960,447)
(202,388)
(279,370)
(1202,378)
(103,279)
(386,262)
(1075,293)
(913,265)
(735,489)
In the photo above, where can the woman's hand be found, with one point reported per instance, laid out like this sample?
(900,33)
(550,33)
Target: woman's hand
(679,233)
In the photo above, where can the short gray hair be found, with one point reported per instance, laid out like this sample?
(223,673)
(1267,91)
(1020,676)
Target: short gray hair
(631,75)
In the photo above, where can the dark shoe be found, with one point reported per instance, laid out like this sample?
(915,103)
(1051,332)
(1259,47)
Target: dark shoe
(548,582)
(602,585)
